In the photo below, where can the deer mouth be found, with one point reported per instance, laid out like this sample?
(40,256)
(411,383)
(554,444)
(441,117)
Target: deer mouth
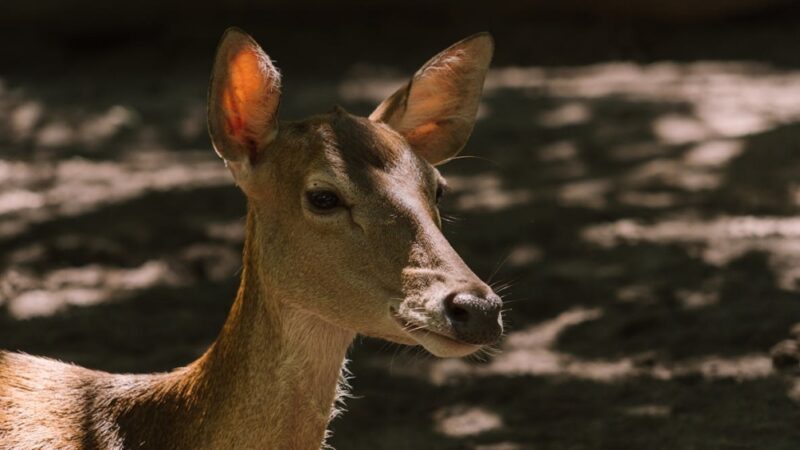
(435,342)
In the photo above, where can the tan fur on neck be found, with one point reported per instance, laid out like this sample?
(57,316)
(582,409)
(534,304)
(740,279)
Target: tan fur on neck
(269,381)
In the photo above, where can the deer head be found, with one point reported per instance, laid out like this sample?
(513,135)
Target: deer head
(345,219)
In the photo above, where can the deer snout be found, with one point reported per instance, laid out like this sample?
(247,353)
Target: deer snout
(475,319)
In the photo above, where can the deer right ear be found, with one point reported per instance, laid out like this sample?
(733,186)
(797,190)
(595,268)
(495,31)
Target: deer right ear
(242,100)
(436,110)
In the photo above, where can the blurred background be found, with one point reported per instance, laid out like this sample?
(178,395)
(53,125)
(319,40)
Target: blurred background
(635,196)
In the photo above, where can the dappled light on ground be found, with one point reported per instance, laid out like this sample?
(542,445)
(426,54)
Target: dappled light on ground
(460,420)
(533,352)
(38,192)
(84,286)
(718,241)
(484,192)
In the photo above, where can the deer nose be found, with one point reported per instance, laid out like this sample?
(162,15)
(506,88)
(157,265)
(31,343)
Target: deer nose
(475,319)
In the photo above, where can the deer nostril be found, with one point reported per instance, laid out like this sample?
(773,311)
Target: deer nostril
(455,312)
(474,319)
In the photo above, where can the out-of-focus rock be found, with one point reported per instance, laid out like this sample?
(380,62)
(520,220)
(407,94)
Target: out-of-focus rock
(786,355)
(795,331)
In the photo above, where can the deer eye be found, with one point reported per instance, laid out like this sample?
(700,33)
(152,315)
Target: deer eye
(322,200)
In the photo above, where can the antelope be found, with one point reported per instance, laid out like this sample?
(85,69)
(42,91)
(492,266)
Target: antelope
(343,236)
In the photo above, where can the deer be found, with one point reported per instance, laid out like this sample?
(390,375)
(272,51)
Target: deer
(343,236)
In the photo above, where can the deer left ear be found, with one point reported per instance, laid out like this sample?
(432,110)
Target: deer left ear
(243,99)
(435,111)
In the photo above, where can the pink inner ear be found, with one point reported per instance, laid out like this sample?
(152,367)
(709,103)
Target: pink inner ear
(234,123)
(243,92)
(422,131)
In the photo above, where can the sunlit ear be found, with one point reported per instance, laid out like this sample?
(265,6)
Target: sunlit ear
(243,99)
(435,111)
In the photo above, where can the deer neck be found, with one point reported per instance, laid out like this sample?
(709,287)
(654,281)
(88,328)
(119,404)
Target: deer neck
(272,377)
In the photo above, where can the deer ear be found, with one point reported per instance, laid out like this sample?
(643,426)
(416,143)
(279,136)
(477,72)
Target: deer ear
(242,99)
(435,111)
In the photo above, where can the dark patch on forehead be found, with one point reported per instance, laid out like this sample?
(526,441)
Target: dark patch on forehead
(360,141)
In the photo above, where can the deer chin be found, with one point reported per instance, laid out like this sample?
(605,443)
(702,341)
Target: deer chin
(434,342)
(443,346)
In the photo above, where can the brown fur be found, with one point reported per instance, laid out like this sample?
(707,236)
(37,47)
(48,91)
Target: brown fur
(226,399)
(310,282)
